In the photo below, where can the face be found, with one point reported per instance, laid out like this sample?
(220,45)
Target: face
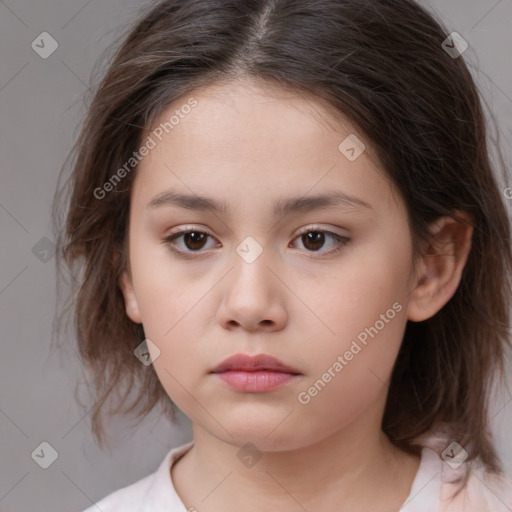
(322,287)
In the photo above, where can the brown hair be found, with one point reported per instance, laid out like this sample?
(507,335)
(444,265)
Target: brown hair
(381,64)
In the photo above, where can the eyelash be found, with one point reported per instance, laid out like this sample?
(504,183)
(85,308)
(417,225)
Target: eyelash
(169,241)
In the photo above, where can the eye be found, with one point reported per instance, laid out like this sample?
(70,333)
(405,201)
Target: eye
(193,240)
(314,239)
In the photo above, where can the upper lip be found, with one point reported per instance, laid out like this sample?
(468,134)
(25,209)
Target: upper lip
(247,363)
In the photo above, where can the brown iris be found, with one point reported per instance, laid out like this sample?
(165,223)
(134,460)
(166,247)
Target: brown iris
(316,238)
(194,240)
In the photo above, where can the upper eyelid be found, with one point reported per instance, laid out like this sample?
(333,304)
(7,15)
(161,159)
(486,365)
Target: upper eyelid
(306,229)
(315,227)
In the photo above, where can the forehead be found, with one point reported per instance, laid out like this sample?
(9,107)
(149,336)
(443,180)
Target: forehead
(250,103)
(254,138)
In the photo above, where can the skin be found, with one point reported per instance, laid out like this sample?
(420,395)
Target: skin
(250,144)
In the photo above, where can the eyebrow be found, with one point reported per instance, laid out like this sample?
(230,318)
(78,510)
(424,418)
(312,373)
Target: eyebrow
(281,207)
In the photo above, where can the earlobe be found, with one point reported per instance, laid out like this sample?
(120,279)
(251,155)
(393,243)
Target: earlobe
(440,269)
(130,301)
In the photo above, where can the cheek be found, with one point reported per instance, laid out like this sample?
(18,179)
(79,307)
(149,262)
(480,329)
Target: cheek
(362,306)
(162,292)
(172,326)
(352,372)
(355,294)
(169,305)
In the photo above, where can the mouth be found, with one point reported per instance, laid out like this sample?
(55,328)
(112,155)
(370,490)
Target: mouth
(254,374)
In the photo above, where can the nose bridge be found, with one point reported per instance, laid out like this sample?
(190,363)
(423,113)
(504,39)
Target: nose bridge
(252,295)
(251,260)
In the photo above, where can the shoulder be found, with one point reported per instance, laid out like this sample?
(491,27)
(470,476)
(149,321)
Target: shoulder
(151,493)
(128,498)
(484,492)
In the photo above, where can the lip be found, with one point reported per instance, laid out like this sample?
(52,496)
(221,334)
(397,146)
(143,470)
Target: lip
(247,363)
(254,374)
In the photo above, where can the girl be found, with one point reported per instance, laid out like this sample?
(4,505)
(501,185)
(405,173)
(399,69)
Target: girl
(288,226)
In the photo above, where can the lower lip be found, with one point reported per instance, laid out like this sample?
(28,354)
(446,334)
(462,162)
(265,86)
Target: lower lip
(255,382)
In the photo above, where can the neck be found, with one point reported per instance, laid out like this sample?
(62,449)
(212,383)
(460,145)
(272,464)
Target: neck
(356,467)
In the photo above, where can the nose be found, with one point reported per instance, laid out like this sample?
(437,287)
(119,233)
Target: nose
(253,298)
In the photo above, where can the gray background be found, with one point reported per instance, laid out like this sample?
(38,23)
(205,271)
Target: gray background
(41,103)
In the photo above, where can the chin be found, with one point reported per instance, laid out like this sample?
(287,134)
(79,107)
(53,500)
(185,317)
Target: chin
(270,432)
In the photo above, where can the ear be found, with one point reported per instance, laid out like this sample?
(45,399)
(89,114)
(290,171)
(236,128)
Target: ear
(440,269)
(130,301)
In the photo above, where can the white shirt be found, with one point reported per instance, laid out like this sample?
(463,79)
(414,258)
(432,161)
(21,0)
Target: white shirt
(430,490)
